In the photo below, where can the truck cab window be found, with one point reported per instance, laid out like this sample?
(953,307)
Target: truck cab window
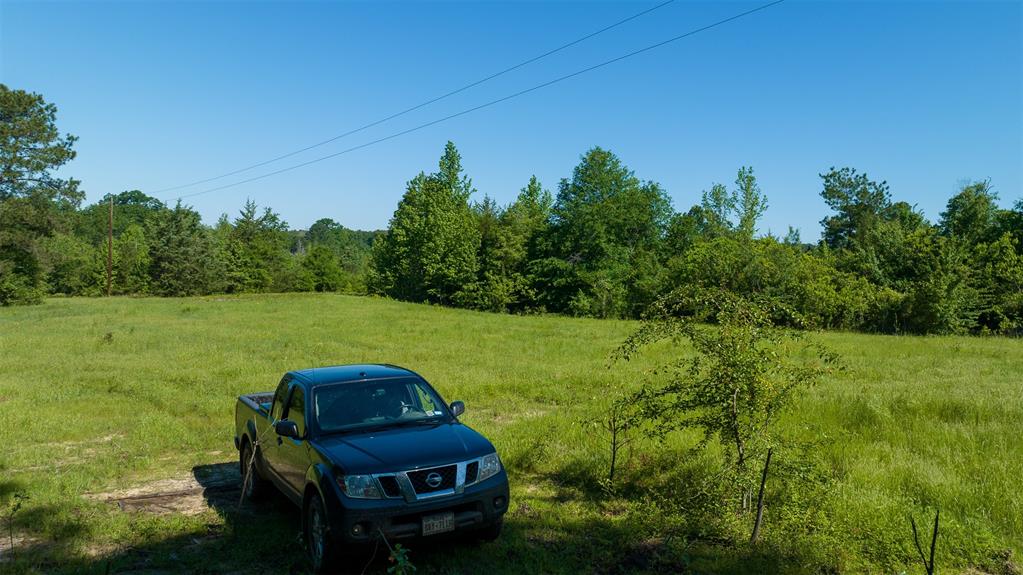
(296,410)
(426,400)
(279,398)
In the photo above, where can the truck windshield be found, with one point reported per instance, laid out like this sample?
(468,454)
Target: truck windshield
(344,406)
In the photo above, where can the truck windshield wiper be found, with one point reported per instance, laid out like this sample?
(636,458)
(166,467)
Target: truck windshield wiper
(386,425)
(423,421)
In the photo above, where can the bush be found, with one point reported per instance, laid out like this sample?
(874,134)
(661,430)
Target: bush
(17,289)
(74,266)
(744,374)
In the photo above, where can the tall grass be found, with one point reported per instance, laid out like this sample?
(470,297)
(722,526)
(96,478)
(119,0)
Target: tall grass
(99,395)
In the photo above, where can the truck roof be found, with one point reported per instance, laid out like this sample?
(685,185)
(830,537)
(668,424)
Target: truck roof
(354,372)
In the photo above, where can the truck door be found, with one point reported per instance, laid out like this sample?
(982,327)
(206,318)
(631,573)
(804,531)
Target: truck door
(293,454)
(269,445)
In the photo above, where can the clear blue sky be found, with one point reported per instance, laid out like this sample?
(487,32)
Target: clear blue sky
(921,94)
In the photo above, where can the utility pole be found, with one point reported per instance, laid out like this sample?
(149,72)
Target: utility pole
(110,244)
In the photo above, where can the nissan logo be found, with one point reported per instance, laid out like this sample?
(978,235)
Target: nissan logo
(433,479)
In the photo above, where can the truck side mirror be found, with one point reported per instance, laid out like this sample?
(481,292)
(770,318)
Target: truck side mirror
(457,408)
(286,428)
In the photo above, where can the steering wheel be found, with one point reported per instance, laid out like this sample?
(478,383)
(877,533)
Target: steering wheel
(408,407)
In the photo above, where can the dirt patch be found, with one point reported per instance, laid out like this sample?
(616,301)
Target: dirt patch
(210,486)
(21,542)
(69,445)
(525,510)
(85,447)
(504,418)
(74,452)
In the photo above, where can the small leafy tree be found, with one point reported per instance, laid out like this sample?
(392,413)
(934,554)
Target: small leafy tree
(13,507)
(322,265)
(74,267)
(971,214)
(744,373)
(716,208)
(131,261)
(617,423)
(750,202)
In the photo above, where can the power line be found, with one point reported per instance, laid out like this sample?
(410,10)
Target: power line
(492,102)
(423,104)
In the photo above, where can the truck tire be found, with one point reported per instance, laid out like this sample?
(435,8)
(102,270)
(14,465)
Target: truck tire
(319,543)
(256,487)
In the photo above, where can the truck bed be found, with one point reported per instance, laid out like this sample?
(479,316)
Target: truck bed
(258,402)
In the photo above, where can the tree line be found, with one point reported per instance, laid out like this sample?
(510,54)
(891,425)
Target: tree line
(609,244)
(606,244)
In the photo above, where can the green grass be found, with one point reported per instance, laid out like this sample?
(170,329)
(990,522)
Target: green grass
(102,395)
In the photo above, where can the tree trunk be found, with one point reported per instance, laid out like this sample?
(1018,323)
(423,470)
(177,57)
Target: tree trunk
(760,500)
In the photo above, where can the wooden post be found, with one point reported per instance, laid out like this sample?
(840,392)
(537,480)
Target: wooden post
(110,246)
(760,501)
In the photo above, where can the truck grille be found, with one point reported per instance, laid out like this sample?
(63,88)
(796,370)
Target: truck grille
(390,485)
(472,471)
(447,478)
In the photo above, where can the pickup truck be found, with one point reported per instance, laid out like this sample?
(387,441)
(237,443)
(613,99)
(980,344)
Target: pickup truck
(367,451)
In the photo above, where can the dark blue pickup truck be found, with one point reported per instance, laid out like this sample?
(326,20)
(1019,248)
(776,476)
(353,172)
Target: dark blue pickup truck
(369,450)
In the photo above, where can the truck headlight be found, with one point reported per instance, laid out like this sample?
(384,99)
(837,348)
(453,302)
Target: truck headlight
(490,465)
(360,486)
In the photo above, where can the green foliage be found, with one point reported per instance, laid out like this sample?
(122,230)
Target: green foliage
(322,265)
(183,258)
(17,288)
(33,201)
(131,261)
(75,267)
(352,247)
(910,423)
(31,148)
(608,245)
(603,222)
(743,376)
(750,203)
(715,211)
(942,300)
(130,208)
(257,252)
(431,247)
(971,215)
(999,284)
(1011,221)
(859,204)
(401,565)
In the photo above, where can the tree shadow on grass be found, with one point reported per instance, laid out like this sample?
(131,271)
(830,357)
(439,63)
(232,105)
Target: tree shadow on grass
(690,538)
(264,537)
(254,538)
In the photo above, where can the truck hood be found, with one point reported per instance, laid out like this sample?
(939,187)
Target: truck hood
(403,448)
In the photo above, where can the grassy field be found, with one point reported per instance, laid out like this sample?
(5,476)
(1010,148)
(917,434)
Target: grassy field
(112,411)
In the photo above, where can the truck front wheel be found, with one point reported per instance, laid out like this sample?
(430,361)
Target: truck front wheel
(319,544)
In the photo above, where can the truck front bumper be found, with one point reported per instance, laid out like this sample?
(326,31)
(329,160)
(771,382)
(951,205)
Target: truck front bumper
(361,521)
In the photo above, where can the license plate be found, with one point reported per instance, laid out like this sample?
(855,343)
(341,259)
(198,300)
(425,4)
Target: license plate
(439,523)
